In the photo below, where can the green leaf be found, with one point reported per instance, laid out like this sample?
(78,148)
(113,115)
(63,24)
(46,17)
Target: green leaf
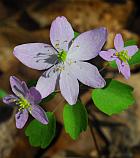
(31,83)
(75,119)
(130,43)
(135,58)
(113,98)
(41,135)
(48,98)
(76,34)
(113,64)
(2,93)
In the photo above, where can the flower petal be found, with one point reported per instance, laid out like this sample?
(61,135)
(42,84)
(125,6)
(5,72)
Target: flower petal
(34,96)
(38,56)
(38,113)
(118,62)
(118,42)
(124,68)
(131,50)
(88,44)
(69,86)
(17,86)
(10,99)
(24,87)
(108,55)
(47,82)
(21,118)
(61,33)
(88,74)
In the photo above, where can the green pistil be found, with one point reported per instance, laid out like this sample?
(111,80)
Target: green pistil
(62,56)
(123,56)
(23,103)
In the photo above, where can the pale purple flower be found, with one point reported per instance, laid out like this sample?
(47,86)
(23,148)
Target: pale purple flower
(120,54)
(64,60)
(27,101)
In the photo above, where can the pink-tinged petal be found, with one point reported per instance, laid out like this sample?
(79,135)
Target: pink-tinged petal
(34,96)
(118,42)
(108,55)
(131,50)
(126,71)
(39,114)
(21,118)
(124,68)
(10,100)
(88,44)
(69,86)
(17,86)
(61,33)
(88,74)
(118,62)
(38,56)
(47,82)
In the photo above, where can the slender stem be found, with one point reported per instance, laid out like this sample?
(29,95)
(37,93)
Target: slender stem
(104,67)
(94,139)
(93,136)
(54,110)
(57,91)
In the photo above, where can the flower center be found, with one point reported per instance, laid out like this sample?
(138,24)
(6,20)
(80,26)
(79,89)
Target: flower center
(123,55)
(62,56)
(23,103)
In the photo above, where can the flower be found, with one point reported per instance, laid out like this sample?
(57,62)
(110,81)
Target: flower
(27,101)
(64,60)
(120,54)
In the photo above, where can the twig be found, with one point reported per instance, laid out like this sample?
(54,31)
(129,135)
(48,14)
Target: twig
(95,123)
(99,131)
(94,139)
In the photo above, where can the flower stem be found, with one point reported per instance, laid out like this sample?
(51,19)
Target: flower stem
(106,65)
(56,108)
(57,91)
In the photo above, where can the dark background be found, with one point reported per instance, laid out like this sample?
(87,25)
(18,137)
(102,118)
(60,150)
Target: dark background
(23,21)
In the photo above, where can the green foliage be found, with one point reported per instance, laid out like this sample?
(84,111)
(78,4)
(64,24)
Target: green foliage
(113,98)
(130,43)
(48,98)
(2,93)
(76,34)
(75,119)
(31,83)
(41,135)
(135,58)
(113,64)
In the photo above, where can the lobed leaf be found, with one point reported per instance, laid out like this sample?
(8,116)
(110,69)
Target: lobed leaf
(75,119)
(113,98)
(41,135)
